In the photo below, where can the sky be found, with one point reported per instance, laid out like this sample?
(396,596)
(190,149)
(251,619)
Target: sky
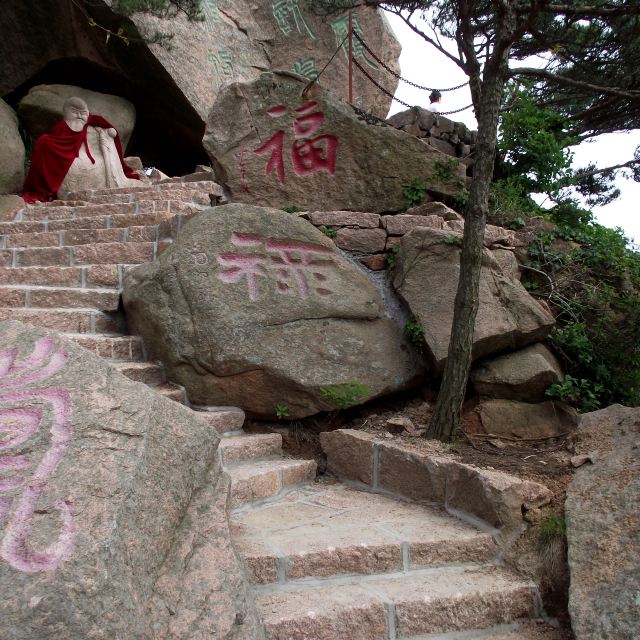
(421,64)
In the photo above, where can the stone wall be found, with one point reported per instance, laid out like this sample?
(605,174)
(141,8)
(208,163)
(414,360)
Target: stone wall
(443,134)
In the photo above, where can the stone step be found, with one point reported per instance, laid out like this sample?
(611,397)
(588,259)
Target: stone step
(250,447)
(150,373)
(174,190)
(41,297)
(73,237)
(253,481)
(64,320)
(172,392)
(121,347)
(92,276)
(50,213)
(107,253)
(530,630)
(329,530)
(430,601)
(95,222)
(224,420)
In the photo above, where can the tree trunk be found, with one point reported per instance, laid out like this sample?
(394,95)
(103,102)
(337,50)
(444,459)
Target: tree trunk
(446,415)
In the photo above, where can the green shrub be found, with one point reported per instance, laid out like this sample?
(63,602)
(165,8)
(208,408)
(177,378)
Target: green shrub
(414,193)
(414,331)
(344,394)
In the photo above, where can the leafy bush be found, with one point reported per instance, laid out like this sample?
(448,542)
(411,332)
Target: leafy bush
(414,193)
(414,331)
(391,257)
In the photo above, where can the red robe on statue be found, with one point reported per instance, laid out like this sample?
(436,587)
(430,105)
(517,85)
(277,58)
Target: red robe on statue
(54,153)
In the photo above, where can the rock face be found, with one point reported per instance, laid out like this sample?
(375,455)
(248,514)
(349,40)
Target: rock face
(102,534)
(256,308)
(603,527)
(272,147)
(522,375)
(525,420)
(426,276)
(11,151)
(452,138)
(41,108)
(174,89)
(237,39)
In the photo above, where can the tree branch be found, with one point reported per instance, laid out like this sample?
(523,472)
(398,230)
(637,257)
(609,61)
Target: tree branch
(585,10)
(552,77)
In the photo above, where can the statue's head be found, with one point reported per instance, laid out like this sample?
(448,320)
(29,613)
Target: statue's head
(76,113)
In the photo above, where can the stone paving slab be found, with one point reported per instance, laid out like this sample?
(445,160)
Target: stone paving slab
(253,481)
(534,630)
(336,530)
(402,605)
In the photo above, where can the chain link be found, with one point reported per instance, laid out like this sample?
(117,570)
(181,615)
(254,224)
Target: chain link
(397,75)
(405,104)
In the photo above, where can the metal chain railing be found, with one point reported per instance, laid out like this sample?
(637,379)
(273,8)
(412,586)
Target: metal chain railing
(402,102)
(397,75)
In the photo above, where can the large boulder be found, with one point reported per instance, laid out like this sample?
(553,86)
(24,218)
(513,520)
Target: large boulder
(603,527)
(41,108)
(256,308)
(525,420)
(103,533)
(271,146)
(11,151)
(521,375)
(173,84)
(426,277)
(238,39)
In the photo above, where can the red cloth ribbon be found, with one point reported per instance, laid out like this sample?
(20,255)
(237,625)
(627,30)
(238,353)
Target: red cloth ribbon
(54,153)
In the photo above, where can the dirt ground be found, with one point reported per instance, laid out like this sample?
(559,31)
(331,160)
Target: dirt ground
(404,419)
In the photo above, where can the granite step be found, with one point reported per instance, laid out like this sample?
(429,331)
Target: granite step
(172,392)
(44,297)
(54,212)
(225,420)
(531,630)
(404,605)
(64,320)
(107,253)
(175,190)
(95,222)
(253,481)
(329,530)
(92,276)
(151,373)
(116,347)
(250,447)
(73,237)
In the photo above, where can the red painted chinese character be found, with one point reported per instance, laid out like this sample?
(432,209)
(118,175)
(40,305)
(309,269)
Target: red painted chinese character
(308,155)
(276,161)
(242,265)
(317,154)
(297,260)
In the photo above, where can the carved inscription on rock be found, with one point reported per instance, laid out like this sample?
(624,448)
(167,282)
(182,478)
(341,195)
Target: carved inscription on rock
(29,411)
(298,268)
(308,154)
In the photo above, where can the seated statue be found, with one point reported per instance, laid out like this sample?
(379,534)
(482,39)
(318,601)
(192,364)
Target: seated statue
(82,151)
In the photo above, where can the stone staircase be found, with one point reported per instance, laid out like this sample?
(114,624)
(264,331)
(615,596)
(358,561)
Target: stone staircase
(328,561)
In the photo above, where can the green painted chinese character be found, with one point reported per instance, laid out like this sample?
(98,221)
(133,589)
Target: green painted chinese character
(287,11)
(306,67)
(222,65)
(341,30)
(211,14)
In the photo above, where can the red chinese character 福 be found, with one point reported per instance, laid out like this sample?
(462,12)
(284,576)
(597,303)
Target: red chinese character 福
(308,155)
